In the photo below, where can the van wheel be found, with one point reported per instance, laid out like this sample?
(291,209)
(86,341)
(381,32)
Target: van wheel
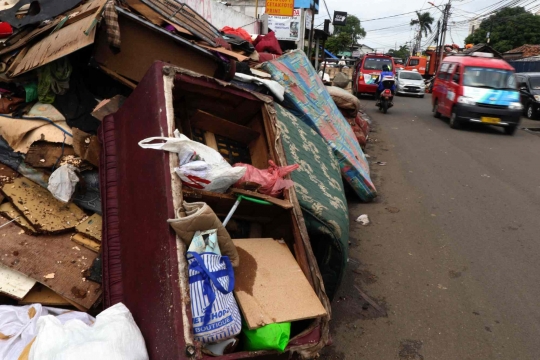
(454,121)
(436,112)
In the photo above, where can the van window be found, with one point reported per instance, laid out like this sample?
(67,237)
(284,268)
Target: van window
(457,75)
(443,70)
(535,83)
(377,63)
(414,62)
(411,76)
(488,78)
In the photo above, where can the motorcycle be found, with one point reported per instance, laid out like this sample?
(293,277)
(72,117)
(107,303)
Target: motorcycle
(386,98)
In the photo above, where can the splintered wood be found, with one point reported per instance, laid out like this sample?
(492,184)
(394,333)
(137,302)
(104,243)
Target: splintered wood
(91,227)
(45,154)
(270,286)
(86,242)
(39,257)
(9,211)
(40,208)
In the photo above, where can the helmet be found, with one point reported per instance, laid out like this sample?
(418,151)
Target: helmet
(385,68)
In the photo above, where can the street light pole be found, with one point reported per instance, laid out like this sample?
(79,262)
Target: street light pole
(444,27)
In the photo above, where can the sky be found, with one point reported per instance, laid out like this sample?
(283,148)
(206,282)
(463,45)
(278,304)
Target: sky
(385,34)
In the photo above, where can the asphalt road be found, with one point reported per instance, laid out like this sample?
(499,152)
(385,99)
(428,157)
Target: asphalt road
(453,249)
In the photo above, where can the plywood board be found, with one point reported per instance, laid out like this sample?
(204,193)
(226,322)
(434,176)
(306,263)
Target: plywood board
(13,283)
(43,295)
(86,242)
(40,208)
(45,155)
(9,211)
(270,287)
(53,260)
(91,227)
(58,44)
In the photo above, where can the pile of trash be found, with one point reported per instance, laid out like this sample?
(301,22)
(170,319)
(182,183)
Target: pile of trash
(74,72)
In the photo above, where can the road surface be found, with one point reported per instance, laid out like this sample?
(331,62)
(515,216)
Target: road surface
(453,249)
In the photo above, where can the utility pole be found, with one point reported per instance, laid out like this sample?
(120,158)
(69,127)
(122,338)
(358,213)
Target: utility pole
(446,16)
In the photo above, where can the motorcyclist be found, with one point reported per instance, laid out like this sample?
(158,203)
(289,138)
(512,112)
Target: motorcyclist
(385,72)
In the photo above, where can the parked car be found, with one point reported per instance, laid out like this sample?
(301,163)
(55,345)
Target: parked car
(410,82)
(477,88)
(366,72)
(529,91)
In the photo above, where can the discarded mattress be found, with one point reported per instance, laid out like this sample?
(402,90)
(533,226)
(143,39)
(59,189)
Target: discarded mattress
(307,98)
(319,188)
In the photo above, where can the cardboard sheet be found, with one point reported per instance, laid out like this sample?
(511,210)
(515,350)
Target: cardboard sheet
(54,261)
(58,44)
(40,208)
(20,134)
(91,227)
(270,287)
(13,283)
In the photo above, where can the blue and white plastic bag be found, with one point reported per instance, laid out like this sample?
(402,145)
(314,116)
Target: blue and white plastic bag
(216,316)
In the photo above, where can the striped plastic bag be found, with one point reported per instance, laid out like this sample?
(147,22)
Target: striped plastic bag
(211,282)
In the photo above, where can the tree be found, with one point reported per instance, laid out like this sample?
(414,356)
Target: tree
(424,21)
(346,36)
(509,29)
(402,53)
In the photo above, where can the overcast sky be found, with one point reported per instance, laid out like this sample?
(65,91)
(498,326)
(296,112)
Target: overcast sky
(385,33)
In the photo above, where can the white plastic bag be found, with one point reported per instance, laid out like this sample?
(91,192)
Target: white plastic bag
(200,166)
(62,182)
(19,324)
(114,336)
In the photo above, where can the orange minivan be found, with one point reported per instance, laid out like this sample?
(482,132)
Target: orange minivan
(477,88)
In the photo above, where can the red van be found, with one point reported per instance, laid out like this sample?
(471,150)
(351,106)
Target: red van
(367,70)
(477,88)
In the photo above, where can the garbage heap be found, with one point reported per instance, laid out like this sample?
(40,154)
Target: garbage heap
(145,165)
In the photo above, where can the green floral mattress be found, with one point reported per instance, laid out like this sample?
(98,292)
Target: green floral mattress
(319,188)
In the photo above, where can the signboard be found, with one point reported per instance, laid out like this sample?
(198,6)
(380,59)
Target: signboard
(340,18)
(285,27)
(308,18)
(280,7)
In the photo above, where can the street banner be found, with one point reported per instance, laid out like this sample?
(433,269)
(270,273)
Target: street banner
(285,27)
(280,7)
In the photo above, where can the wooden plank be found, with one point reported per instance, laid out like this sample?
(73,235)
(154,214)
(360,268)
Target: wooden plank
(86,242)
(54,261)
(91,227)
(58,44)
(9,211)
(44,154)
(40,208)
(222,50)
(208,122)
(43,295)
(286,204)
(86,146)
(13,283)
(108,106)
(210,140)
(270,286)
(122,80)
